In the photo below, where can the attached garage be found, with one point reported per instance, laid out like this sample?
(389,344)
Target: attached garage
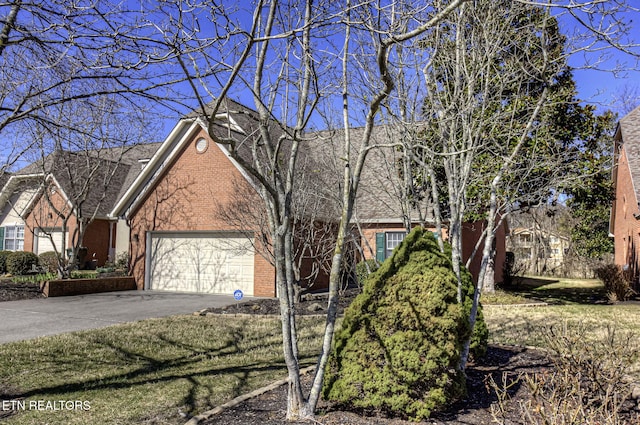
(44,240)
(213,262)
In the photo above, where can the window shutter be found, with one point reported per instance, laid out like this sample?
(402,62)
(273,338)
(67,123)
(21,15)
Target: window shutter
(1,238)
(380,247)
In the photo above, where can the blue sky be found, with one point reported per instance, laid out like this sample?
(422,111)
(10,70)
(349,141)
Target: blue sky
(602,86)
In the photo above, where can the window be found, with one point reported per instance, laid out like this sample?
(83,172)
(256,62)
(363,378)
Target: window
(386,242)
(525,237)
(14,238)
(393,240)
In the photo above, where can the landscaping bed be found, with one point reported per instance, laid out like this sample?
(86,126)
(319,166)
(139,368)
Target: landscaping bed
(477,408)
(13,291)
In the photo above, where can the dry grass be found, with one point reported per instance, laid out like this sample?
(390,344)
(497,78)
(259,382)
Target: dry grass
(147,372)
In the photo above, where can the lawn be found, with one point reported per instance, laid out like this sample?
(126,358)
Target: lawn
(155,371)
(146,372)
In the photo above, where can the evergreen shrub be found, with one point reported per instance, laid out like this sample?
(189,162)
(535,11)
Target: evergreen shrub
(49,261)
(3,261)
(401,340)
(365,268)
(21,262)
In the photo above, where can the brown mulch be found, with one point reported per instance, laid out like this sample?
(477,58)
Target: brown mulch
(12,291)
(501,362)
(475,409)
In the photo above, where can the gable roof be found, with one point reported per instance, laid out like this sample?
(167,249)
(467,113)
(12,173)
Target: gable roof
(318,159)
(108,172)
(628,135)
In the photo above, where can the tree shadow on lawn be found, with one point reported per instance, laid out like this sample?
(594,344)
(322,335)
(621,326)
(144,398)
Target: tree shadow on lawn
(148,370)
(548,290)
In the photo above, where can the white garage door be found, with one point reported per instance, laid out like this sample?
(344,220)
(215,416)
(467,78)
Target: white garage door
(207,263)
(45,240)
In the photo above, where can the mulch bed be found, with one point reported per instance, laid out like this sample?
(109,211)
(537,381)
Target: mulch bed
(11,291)
(476,409)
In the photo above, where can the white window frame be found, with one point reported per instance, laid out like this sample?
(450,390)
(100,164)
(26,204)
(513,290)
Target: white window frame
(392,240)
(14,235)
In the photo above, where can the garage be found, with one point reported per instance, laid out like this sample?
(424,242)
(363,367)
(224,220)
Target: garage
(214,263)
(45,240)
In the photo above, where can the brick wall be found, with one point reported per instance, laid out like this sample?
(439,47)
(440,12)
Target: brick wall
(192,195)
(66,287)
(625,227)
(470,234)
(42,215)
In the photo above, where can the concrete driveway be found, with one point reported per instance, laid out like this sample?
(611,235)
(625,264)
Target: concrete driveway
(26,319)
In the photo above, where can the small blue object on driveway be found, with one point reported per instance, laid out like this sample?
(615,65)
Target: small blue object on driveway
(237,294)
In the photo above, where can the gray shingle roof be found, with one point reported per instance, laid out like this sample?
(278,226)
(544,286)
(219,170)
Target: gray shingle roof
(629,132)
(109,173)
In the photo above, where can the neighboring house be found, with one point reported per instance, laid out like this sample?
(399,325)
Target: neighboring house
(35,200)
(181,240)
(538,249)
(625,213)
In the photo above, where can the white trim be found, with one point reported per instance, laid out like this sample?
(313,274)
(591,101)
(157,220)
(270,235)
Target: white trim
(38,195)
(167,151)
(13,181)
(147,260)
(173,144)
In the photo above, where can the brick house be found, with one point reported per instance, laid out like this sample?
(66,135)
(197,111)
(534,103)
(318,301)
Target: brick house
(41,205)
(624,224)
(182,239)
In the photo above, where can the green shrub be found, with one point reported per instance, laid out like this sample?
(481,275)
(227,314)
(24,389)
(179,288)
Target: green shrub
(401,340)
(49,261)
(21,262)
(508,269)
(616,281)
(3,261)
(365,268)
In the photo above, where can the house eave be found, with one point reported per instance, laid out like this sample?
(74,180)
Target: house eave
(132,197)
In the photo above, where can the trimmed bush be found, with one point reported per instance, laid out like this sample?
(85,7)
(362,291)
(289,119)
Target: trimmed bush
(401,340)
(49,261)
(3,260)
(21,262)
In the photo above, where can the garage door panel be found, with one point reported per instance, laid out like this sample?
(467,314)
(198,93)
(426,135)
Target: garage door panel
(45,240)
(201,263)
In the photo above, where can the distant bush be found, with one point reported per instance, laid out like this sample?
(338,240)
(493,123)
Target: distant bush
(508,269)
(21,262)
(49,261)
(3,260)
(400,345)
(616,281)
(365,268)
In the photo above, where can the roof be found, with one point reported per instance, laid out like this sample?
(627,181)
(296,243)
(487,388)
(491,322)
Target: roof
(320,170)
(108,173)
(628,134)
(380,187)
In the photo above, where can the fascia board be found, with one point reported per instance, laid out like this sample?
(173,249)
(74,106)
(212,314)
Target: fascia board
(147,177)
(12,183)
(225,151)
(36,196)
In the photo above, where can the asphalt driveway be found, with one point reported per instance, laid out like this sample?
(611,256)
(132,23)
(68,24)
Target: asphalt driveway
(26,319)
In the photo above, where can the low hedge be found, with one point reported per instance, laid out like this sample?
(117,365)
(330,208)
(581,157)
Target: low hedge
(21,262)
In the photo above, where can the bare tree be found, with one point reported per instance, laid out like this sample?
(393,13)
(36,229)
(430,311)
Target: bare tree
(79,169)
